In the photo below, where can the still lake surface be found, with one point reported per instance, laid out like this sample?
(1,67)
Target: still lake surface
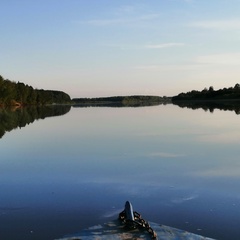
(178,167)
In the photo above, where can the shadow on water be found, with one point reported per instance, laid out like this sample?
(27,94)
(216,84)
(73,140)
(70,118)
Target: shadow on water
(12,118)
(228,105)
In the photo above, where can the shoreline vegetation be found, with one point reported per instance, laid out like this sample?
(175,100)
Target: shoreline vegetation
(232,93)
(121,101)
(21,105)
(210,99)
(17,94)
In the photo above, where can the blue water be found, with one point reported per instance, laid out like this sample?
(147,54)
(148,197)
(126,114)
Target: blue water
(178,167)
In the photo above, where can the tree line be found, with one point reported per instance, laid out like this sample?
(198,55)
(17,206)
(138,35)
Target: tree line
(18,93)
(210,94)
(121,101)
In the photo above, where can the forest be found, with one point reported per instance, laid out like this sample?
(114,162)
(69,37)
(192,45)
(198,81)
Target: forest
(20,94)
(121,101)
(232,93)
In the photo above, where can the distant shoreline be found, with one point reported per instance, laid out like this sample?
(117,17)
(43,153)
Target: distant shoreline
(134,100)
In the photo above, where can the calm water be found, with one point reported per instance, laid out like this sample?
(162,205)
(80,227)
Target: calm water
(178,167)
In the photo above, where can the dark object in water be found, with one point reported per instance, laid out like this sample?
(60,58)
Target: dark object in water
(117,230)
(133,219)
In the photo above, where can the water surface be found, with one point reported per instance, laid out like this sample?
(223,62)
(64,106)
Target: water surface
(178,167)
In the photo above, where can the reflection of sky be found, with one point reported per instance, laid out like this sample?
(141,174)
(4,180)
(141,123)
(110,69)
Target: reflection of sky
(165,159)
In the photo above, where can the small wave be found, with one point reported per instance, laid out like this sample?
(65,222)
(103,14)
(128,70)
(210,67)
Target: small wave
(185,199)
(112,213)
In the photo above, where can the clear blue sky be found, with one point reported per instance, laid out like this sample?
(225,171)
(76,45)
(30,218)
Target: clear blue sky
(93,48)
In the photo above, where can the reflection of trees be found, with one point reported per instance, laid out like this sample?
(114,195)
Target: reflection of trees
(20,117)
(116,105)
(228,105)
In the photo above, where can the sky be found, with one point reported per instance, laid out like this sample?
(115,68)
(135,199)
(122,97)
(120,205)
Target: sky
(96,48)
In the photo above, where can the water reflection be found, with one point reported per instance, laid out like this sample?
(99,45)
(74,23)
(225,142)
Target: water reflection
(12,118)
(63,174)
(230,105)
(120,104)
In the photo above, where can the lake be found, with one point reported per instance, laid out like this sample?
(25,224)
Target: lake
(74,168)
